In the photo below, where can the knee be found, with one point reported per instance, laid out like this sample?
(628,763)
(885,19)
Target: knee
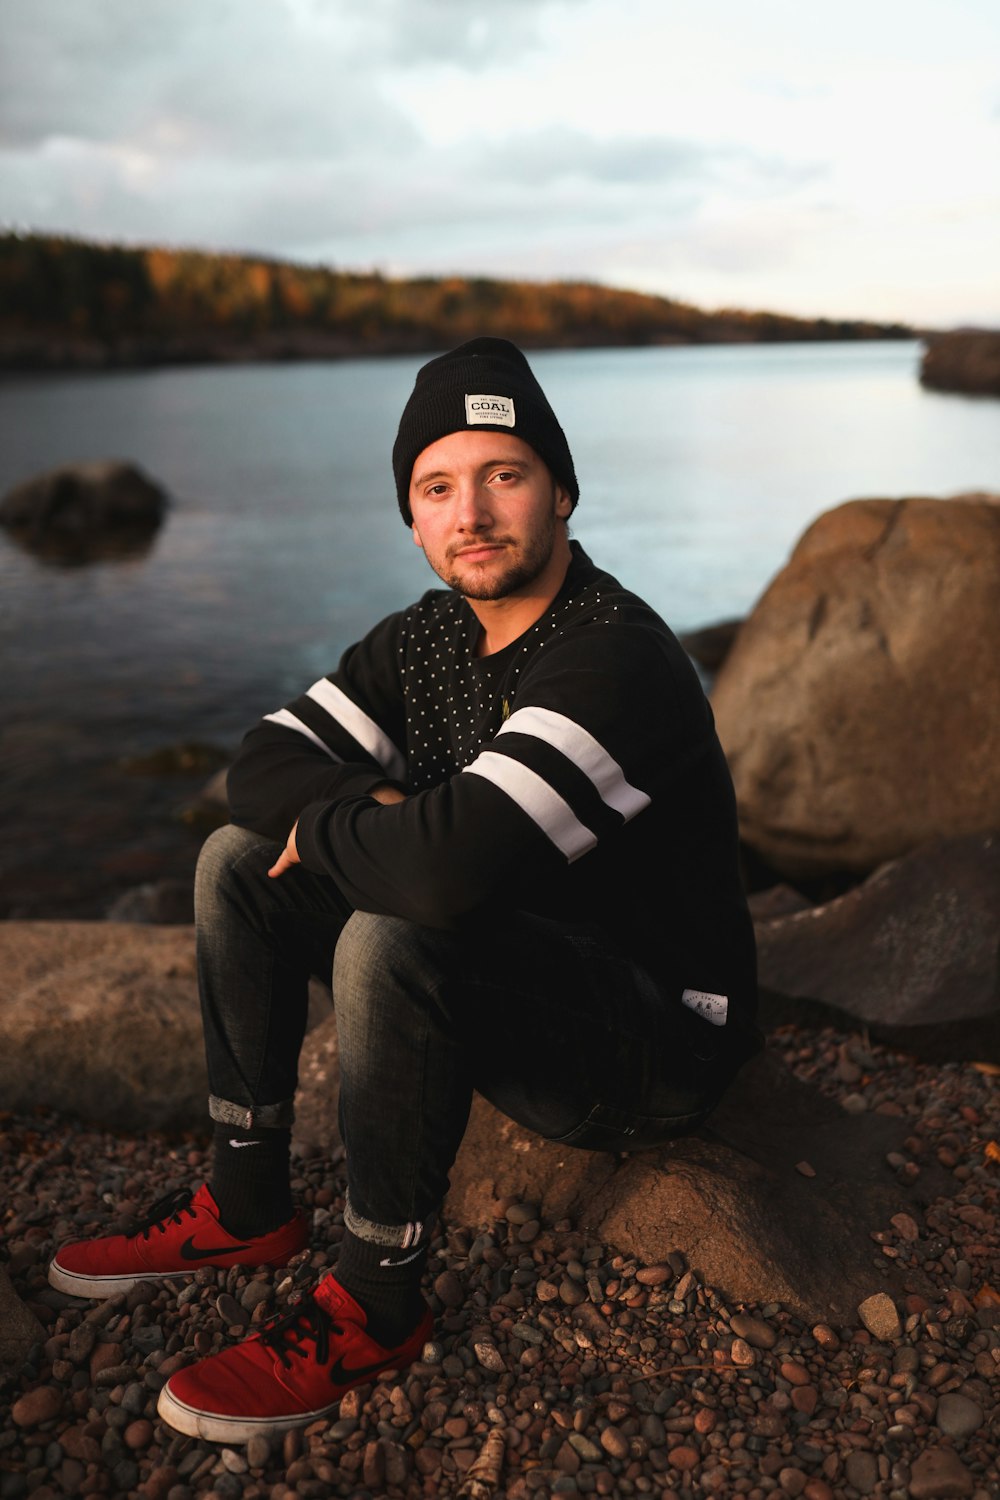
(368,952)
(378,957)
(226,857)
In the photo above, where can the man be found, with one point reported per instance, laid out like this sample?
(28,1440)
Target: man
(506,823)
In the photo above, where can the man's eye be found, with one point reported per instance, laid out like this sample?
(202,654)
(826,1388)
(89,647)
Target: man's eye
(505,474)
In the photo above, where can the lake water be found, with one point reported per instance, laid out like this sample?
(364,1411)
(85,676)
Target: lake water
(698,470)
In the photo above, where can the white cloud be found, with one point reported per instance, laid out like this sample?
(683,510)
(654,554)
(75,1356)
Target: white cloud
(842,159)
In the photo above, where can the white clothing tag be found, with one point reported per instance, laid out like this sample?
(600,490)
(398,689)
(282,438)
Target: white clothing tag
(712,1008)
(490,411)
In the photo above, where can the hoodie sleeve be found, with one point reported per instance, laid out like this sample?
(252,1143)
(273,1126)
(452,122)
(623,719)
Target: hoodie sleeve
(601,725)
(339,739)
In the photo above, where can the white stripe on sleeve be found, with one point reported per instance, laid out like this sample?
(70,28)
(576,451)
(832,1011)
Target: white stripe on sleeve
(287,718)
(579,746)
(360,726)
(534,796)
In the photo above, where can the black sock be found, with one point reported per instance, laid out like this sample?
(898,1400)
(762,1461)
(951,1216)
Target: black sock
(250,1179)
(385,1281)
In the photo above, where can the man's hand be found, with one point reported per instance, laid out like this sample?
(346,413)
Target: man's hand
(289,855)
(387,794)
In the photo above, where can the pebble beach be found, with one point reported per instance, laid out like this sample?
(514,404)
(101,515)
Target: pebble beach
(558,1366)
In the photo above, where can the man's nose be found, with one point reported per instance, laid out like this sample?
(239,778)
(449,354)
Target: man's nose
(473,512)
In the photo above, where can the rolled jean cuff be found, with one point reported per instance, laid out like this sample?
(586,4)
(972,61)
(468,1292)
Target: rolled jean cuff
(404,1236)
(252,1116)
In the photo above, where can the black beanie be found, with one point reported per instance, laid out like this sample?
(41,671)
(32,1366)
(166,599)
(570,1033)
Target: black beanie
(484,383)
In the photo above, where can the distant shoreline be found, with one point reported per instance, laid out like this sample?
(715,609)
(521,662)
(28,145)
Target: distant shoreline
(26,355)
(74,305)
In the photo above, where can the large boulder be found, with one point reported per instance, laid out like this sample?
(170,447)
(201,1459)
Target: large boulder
(966,360)
(860,705)
(102,1020)
(732,1198)
(84,512)
(913,953)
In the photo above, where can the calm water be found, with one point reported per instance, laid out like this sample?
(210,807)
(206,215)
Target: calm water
(698,469)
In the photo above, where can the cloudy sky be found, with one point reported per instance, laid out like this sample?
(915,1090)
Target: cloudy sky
(840,157)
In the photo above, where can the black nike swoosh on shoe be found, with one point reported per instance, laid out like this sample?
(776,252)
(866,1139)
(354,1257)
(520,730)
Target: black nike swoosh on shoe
(339,1374)
(189,1251)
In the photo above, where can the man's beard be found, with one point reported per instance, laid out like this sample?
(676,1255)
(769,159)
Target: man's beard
(519,572)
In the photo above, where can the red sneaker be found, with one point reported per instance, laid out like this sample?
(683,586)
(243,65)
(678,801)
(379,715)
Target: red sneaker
(181,1234)
(292,1372)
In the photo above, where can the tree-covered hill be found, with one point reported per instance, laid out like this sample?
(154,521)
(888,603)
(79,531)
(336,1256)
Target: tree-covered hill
(67,302)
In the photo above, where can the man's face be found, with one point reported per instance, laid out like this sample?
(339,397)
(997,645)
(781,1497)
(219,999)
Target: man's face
(486,512)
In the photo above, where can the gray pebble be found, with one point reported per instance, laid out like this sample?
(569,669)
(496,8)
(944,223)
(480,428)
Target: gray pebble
(528,1333)
(255,1294)
(126,1474)
(521,1213)
(228,1486)
(134,1399)
(489,1356)
(432,1353)
(81,1342)
(755,1331)
(230,1311)
(341,1431)
(234,1462)
(588,1451)
(149,1338)
(957,1416)
(258,1451)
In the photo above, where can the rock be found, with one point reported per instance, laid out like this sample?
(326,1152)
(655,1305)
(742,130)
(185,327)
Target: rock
(614,1441)
(167,902)
(862,1471)
(939,1474)
(728,1197)
(866,674)
(711,644)
(19,1328)
(448,1286)
(102,1019)
(776,901)
(878,1314)
(913,952)
(957,1416)
(37,1406)
(962,361)
(754,1330)
(85,512)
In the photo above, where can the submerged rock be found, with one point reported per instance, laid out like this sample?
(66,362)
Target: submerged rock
(85,512)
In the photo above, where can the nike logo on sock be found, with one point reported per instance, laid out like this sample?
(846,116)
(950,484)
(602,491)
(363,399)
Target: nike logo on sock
(388,1262)
(238,1144)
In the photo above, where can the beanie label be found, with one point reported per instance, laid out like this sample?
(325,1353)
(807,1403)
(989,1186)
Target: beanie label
(491,411)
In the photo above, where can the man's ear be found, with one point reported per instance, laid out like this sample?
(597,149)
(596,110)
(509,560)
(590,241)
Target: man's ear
(416,535)
(564,505)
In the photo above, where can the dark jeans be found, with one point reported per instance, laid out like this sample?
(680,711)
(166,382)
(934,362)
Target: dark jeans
(554,1026)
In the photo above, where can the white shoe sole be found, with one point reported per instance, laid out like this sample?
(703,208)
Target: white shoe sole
(105,1286)
(219,1429)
